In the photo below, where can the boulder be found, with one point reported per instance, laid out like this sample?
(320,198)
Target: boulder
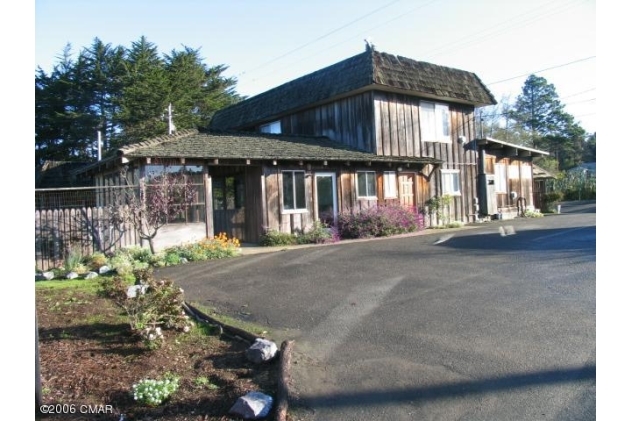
(261,350)
(252,406)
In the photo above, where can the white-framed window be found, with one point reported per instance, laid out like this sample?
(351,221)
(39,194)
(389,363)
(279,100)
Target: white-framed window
(366,184)
(390,184)
(435,122)
(273,127)
(451,182)
(500,178)
(294,192)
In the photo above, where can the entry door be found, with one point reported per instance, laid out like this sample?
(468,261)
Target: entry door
(229,205)
(406,189)
(326,197)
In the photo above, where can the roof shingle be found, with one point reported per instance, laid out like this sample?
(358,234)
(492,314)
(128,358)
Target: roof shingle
(371,68)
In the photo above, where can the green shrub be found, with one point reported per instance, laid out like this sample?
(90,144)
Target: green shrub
(96,260)
(529,213)
(550,200)
(319,233)
(277,238)
(156,305)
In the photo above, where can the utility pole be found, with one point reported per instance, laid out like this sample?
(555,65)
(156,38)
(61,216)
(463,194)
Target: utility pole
(170,117)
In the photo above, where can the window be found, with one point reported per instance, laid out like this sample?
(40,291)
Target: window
(190,175)
(500,178)
(435,122)
(366,184)
(390,184)
(294,197)
(273,127)
(451,182)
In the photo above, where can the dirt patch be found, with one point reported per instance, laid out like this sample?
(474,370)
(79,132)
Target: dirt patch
(89,361)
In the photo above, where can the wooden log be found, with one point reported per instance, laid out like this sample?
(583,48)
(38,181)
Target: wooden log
(282,393)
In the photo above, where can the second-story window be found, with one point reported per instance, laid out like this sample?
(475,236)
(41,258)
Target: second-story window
(435,122)
(273,127)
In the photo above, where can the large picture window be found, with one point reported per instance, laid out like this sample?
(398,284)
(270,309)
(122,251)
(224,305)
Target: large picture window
(294,197)
(451,182)
(435,122)
(366,184)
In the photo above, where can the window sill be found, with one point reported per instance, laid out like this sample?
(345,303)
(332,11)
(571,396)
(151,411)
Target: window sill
(290,211)
(366,197)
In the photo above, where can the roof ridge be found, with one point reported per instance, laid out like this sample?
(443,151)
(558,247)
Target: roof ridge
(157,140)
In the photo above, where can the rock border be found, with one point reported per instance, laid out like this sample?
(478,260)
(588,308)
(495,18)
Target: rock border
(284,378)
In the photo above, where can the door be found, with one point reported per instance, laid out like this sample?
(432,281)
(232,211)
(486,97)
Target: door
(326,198)
(406,189)
(229,205)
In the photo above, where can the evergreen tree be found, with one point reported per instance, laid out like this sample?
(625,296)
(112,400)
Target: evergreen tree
(105,83)
(196,91)
(62,112)
(145,94)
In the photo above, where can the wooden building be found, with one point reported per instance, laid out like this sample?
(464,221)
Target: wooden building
(372,129)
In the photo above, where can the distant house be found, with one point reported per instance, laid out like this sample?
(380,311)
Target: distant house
(373,129)
(587,168)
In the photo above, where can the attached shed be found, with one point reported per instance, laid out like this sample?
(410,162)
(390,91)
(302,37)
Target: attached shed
(505,177)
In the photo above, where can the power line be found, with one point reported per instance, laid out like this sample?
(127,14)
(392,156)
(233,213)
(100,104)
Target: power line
(505,25)
(322,37)
(354,37)
(542,70)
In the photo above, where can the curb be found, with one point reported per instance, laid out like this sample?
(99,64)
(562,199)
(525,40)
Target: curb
(282,393)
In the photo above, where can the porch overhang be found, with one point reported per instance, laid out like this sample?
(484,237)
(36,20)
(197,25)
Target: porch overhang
(502,149)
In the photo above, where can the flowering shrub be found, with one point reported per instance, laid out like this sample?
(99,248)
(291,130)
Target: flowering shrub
(154,392)
(379,221)
(218,247)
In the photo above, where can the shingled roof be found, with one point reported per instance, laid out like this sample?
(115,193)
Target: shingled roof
(201,145)
(369,70)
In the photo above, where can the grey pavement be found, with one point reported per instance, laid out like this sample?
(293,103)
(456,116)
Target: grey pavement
(495,321)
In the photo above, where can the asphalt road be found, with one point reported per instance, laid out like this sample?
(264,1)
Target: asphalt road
(492,322)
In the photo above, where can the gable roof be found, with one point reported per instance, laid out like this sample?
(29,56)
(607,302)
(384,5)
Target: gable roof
(193,144)
(369,70)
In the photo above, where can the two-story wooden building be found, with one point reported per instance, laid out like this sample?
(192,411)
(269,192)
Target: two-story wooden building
(372,129)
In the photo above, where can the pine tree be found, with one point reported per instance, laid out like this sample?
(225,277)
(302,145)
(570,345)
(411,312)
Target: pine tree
(145,94)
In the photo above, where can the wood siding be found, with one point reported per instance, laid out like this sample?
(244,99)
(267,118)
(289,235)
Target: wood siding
(348,121)
(398,132)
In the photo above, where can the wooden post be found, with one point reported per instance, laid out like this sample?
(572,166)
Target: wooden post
(283,381)
(208,186)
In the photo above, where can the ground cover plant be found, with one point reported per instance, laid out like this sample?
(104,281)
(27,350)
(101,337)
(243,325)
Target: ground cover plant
(126,260)
(91,357)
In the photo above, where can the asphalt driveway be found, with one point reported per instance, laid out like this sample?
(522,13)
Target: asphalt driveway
(492,322)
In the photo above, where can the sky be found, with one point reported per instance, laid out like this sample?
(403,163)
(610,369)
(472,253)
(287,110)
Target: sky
(265,44)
